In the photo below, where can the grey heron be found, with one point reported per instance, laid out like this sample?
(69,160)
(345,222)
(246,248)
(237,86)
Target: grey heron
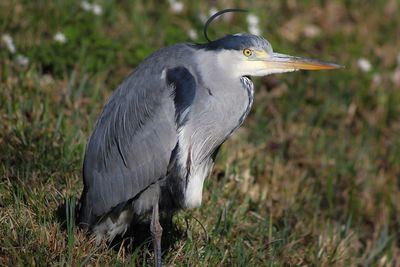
(157,137)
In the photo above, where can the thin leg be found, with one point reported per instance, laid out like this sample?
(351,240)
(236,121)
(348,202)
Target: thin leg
(156,233)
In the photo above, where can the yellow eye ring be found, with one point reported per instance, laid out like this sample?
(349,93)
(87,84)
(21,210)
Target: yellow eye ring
(247,52)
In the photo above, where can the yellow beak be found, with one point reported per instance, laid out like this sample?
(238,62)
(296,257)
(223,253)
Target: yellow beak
(286,62)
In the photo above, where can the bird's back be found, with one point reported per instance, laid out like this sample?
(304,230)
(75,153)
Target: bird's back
(131,145)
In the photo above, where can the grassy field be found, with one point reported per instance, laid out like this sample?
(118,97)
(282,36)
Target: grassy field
(311,179)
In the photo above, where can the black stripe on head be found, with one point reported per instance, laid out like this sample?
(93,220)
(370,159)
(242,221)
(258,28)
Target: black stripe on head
(239,42)
(184,91)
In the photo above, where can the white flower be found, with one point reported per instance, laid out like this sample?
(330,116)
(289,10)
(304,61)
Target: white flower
(192,34)
(85,5)
(252,19)
(253,22)
(364,64)
(94,8)
(253,29)
(9,43)
(60,38)
(212,11)
(97,9)
(176,6)
(22,60)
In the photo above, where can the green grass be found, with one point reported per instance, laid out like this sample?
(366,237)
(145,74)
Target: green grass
(311,179)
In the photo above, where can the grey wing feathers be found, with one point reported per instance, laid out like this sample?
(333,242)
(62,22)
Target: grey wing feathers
(132,143)
(130,147)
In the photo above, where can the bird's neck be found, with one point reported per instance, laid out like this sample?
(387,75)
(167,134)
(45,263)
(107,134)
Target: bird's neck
(224,99)
(220,63)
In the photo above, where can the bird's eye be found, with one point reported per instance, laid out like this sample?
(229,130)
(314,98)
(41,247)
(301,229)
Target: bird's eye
(247,52)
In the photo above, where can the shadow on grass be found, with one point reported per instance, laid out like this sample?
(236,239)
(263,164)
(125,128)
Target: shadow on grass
(67,212)
(137,236)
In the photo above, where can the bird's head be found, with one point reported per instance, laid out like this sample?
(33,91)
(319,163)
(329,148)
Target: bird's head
(249,55)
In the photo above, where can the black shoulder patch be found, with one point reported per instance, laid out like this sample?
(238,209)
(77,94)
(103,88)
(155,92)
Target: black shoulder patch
(184,91)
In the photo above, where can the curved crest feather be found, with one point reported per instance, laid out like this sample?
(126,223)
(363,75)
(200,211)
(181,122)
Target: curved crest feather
(219,13)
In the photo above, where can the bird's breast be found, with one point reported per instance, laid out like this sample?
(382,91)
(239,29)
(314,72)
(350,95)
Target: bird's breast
(223,110)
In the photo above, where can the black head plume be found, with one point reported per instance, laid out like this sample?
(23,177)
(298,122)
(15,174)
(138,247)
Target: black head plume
(219,13)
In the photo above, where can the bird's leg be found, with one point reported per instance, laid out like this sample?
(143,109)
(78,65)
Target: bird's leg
(156,233)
